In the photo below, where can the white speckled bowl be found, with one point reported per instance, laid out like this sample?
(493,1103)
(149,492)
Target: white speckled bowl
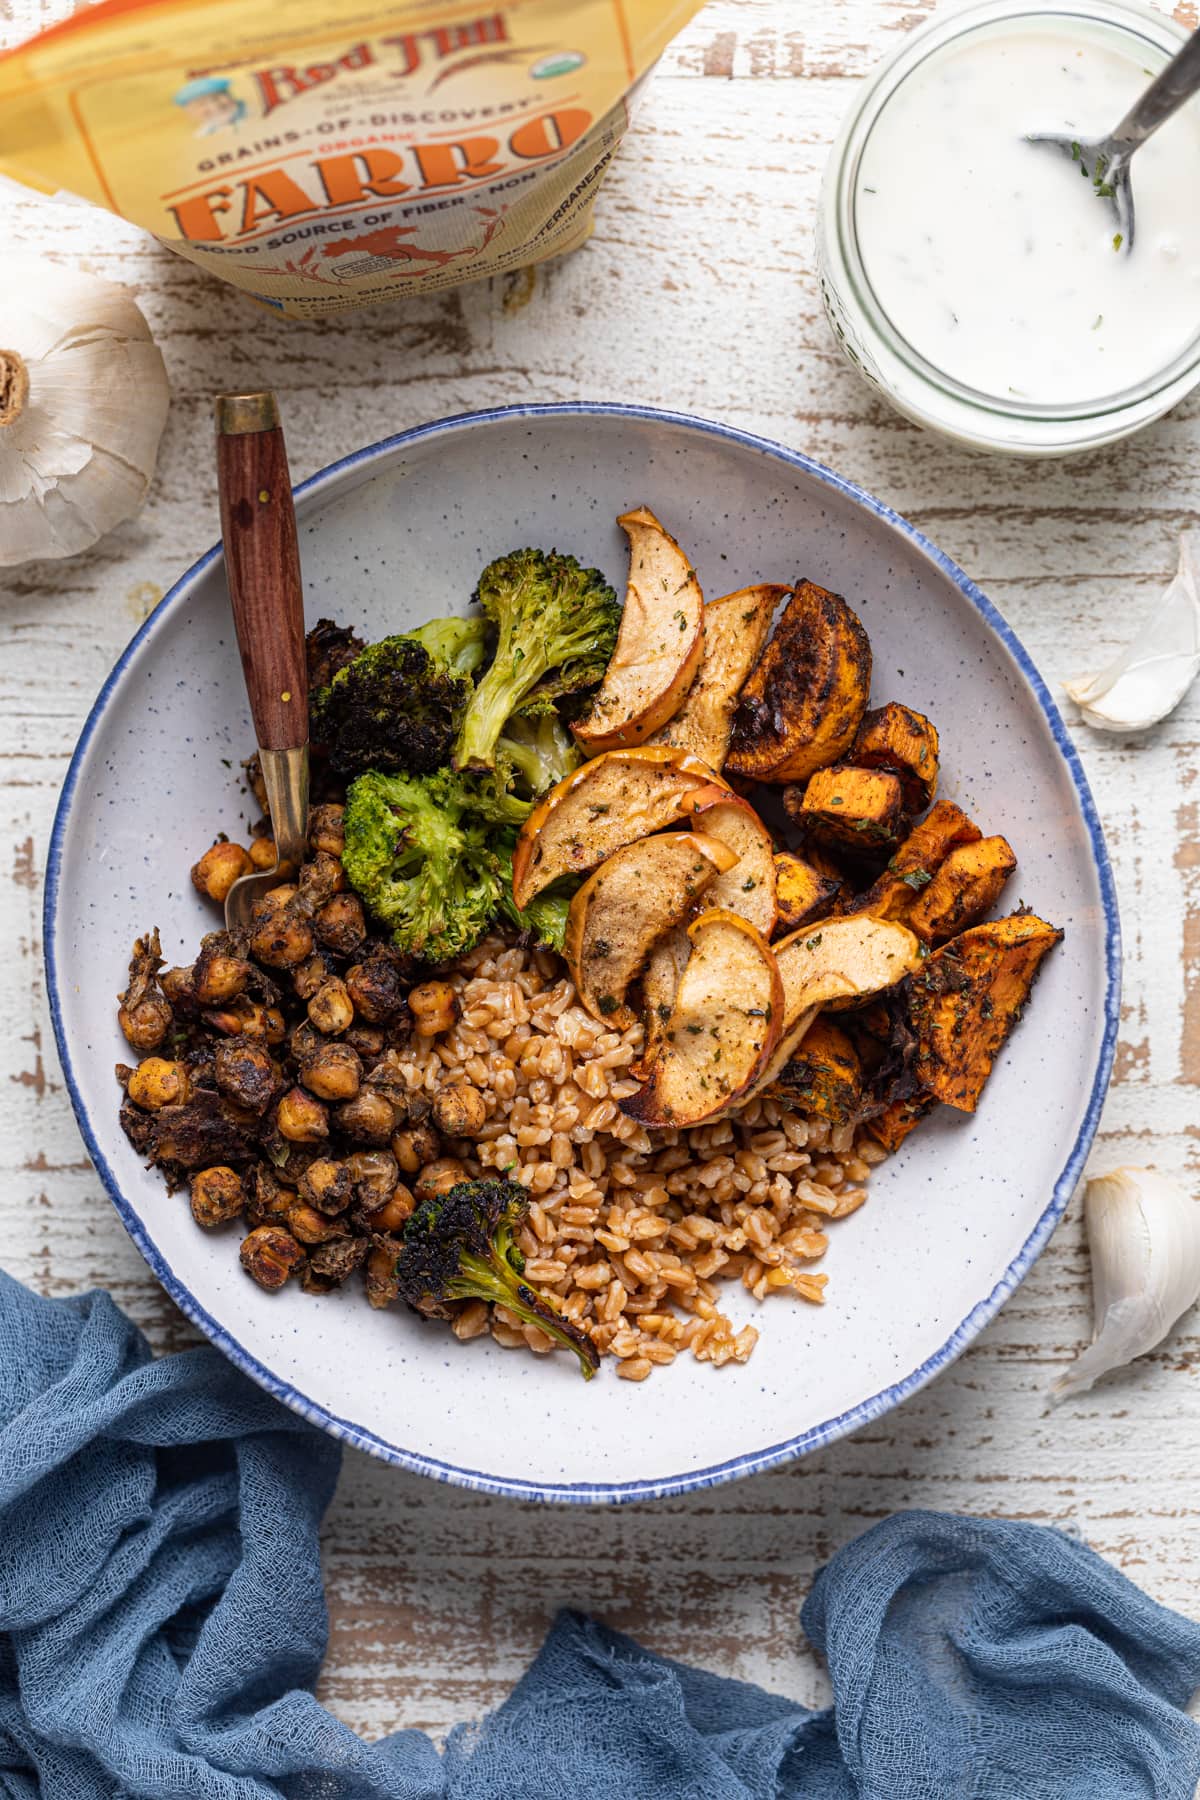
(398,534)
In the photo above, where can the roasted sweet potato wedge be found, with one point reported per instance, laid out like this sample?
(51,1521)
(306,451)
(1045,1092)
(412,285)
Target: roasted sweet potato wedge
(862,809)
(802,892)
(748,886)
(735,630)
(723,1026)
(610,801)
(897,738)
(824,1077)
(916,861)
(628,902)
(803,704)
(660,645)
(965,887)
(841,959)
(967,997)
(890,1127)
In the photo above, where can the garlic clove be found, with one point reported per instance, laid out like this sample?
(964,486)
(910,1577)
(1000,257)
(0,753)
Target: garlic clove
(1144,1236)
(77,451)
(1149,679)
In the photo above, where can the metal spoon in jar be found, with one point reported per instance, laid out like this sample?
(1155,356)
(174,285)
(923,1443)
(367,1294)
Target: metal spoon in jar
(262,566)
(1105,161)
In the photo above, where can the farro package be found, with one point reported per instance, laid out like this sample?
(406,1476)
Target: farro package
(324,155)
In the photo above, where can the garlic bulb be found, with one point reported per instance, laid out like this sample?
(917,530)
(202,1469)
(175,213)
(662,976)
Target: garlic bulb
(83,400)
(1149,679)
(1144,1234)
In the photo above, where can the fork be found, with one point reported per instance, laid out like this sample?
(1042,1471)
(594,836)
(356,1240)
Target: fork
(262,566)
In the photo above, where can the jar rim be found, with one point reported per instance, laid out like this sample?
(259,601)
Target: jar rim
(1164,35)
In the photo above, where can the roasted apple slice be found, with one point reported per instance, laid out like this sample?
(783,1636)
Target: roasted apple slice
(611,801)
(660,983)
(748,886)
(642,890)
(723,1026)
(802,706)
(839,959)
(659,647)
(735,630)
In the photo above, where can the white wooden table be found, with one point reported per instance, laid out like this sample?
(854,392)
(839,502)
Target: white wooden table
(696,291)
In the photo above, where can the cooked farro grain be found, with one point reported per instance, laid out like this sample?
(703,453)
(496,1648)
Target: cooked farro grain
(630,1235)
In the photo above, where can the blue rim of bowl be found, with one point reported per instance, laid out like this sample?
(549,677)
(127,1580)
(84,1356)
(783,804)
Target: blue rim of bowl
(829,1430)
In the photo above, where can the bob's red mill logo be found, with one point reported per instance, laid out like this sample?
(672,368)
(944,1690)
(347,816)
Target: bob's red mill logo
(406,53)
(236,208)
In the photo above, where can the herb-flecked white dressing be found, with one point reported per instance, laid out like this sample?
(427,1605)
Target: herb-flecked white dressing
(995,258)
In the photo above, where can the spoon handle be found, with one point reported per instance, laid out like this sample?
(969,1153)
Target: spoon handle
(1165,95)
(262,565)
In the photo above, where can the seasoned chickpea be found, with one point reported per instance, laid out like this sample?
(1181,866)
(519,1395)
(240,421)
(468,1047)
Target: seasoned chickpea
(282,939)
(301,1118)
(270,1254)
(157,1082)
(146,1023)
(374,1174)
(459,1111)
(217,979)
(304,1040)
(392,1214)
(321,878)
(439,1177)
(273,1024)
(312,1227)
(334,1072)
(368,1040)
(327,829)
(310,975)
(245,1073)
(275,900)
(176,984)
(331,1008)
(217,1195)
(329,1264)
(416,1147)
(369,1118)
(341,924)
(219,868)
(263,853)
(382,1281)
(434,1007)
(376,989)
(327,1185)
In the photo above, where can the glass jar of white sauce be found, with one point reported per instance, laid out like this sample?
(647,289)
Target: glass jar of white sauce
(973,276)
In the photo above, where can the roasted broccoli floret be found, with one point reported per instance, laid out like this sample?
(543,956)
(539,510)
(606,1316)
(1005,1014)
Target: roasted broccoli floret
(462,643)
(461,1246)
(556,628)
(545,918)
(539,749)
(398,704)
(430,856)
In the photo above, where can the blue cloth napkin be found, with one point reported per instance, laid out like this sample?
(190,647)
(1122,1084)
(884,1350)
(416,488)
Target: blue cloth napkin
(161,1620)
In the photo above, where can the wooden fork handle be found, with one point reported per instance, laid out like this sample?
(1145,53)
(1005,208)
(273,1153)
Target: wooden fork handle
(262,565)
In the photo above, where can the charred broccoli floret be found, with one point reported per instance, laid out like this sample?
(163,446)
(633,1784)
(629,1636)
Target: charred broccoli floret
(545,918)
(398,704)
(461,1246)
(539,749)
(556,628)
(430,856)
